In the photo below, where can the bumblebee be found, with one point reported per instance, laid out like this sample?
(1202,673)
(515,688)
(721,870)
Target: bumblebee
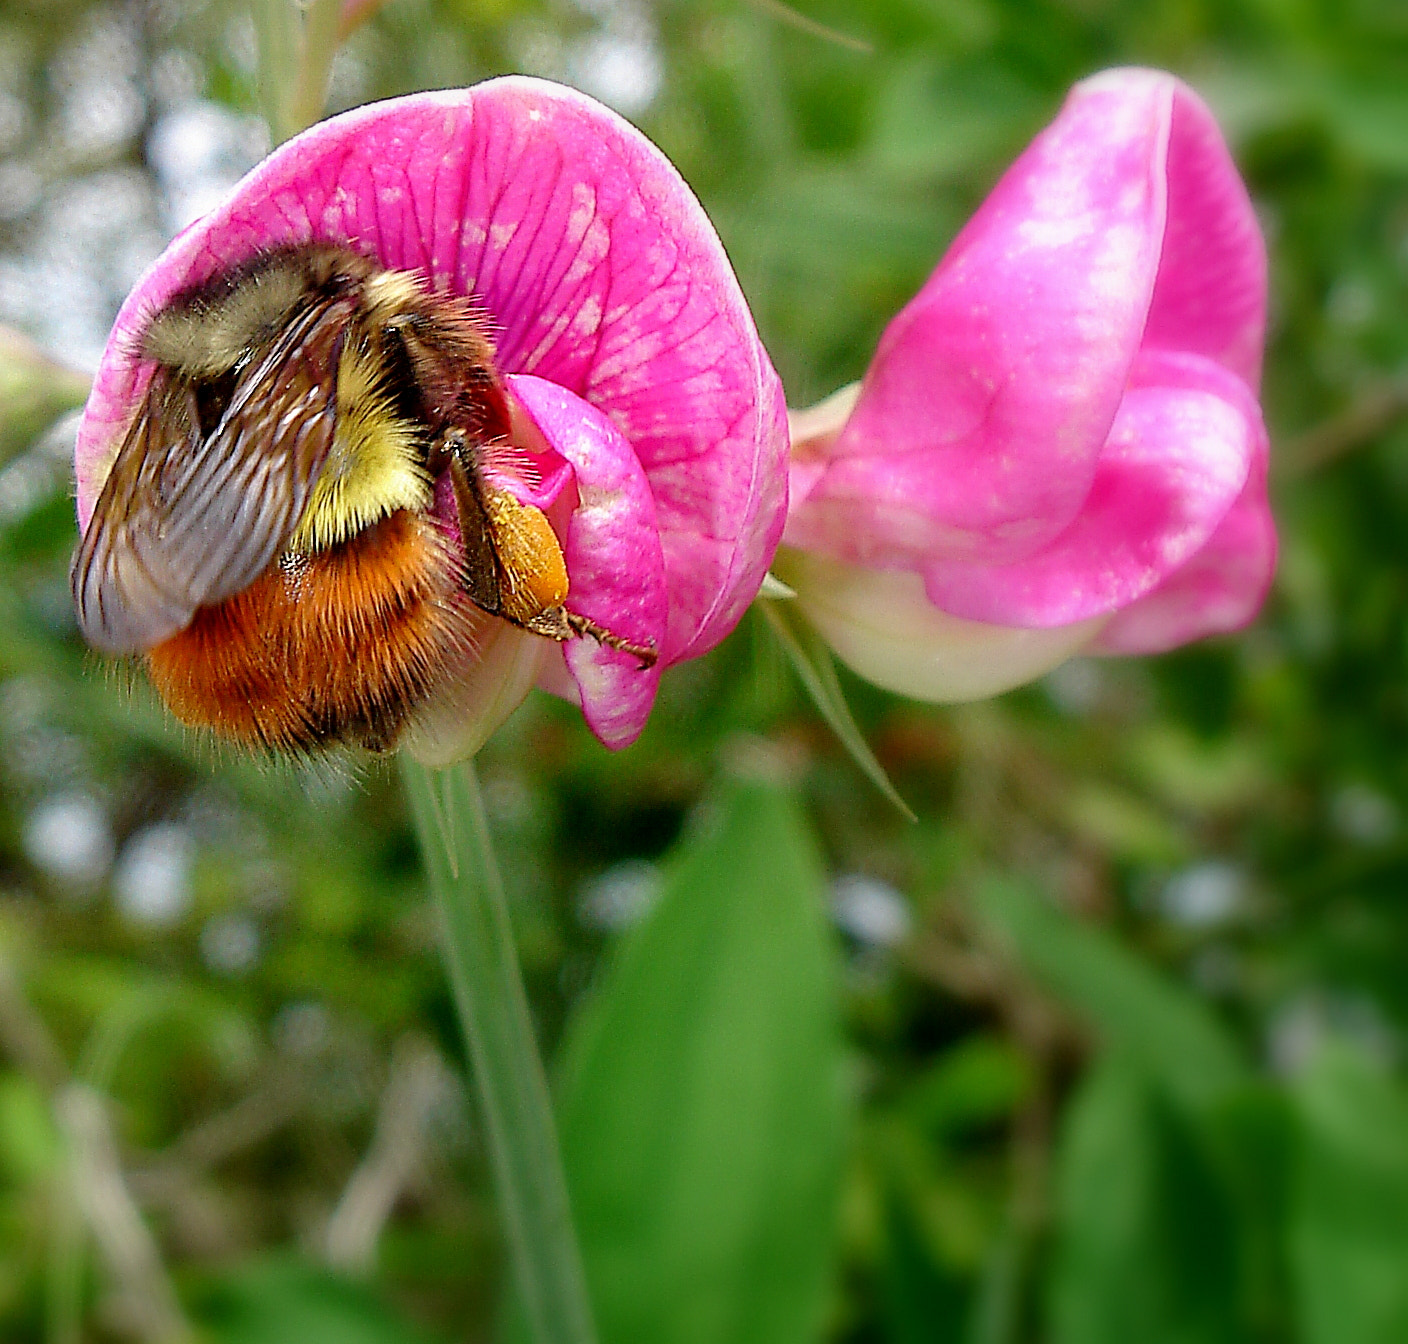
(268,535)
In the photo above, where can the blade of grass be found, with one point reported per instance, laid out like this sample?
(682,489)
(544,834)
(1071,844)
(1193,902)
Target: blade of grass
(65,1263)
(482,961)
(796,19)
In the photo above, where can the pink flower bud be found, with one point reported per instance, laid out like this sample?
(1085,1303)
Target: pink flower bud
(1058,446)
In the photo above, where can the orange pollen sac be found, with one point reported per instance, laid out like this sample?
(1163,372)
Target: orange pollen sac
(533,568)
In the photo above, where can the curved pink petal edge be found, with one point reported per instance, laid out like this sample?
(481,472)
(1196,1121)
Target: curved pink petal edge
(1219,590)
(1177,459)
(981,424)
(1210,295)
(615,563)
(597,267)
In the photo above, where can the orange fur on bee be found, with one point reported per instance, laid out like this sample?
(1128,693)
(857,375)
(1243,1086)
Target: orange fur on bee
(329,647)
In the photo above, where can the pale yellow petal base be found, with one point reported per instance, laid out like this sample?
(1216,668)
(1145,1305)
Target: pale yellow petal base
(884,628)
(496,679)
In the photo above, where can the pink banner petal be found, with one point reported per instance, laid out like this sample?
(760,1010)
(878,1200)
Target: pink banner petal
(614,559)
(607,290)
(594,261)
(1179,455)
(596,265)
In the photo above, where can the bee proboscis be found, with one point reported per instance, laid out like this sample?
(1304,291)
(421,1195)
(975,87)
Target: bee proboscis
(267,534)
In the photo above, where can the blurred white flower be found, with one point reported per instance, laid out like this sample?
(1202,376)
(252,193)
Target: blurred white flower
(69,838)
(619,897)
(152,883)
(1204,894)
(870,911)
(301,1028)
(1363,815)
(229,944)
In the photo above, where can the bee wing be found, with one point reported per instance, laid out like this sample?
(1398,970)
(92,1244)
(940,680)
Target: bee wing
(122,602)
(183,521)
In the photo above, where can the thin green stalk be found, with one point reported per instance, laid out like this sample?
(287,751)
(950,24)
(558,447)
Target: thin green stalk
(320,41)
(812,663)
(63,1286)
(296,45)
(277,30)
(482,961)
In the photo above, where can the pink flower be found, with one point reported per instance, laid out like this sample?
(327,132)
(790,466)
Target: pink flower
(636,377)
(1058,446)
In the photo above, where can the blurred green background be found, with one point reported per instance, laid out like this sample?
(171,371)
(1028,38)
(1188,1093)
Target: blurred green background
(1108,1047)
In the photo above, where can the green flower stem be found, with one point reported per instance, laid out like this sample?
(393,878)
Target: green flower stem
(320,42)
(517,1115)
(296,45)
(277,31)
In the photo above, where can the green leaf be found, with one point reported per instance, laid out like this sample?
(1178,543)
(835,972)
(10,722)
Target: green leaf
(1149,1017)
(1349,1204)
(1251,1131)
(1147,1244)
(34,390)
(29,1143)
(287,1302)
(976,1082)
(923,1303)
(1128,829)
(702,1113)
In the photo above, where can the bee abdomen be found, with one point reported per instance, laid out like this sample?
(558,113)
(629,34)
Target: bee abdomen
(335,647)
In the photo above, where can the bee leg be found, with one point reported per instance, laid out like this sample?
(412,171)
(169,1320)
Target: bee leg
(560,624)
(481,562)
(647,654)
(484,565)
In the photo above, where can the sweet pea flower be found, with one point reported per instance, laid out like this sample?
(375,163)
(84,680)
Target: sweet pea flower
(1058,447)
(640,393)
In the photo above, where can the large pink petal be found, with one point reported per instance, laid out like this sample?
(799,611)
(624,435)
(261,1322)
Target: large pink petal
(1179,455)
(595,262)
(1210,294)
(614,560)
(981,420)
(1219,590)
